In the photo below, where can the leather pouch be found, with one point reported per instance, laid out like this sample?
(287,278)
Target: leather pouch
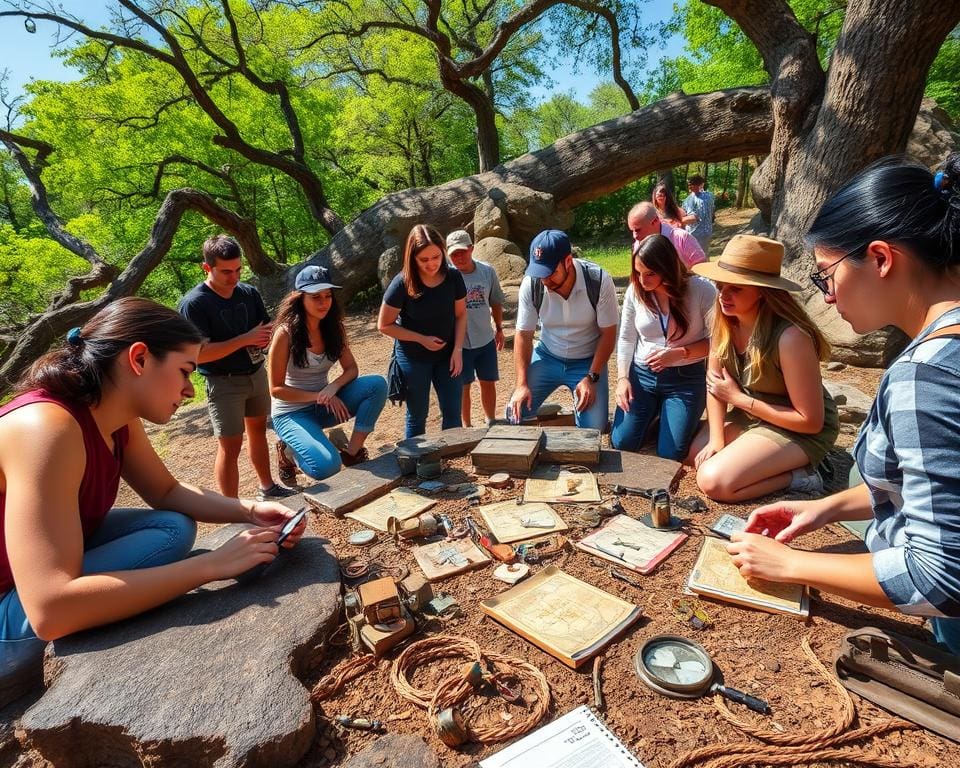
(915,680)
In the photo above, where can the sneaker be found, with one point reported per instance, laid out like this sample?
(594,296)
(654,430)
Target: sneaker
(349,459)
(805,480)
(286,465)
(275,491)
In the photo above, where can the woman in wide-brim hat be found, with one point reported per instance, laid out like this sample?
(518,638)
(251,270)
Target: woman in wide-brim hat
(769,420)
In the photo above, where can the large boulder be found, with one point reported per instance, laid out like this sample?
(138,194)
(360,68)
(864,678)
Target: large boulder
(210,678)
(489,220)
(933,137)
(528,212)
(852,404)
(391,263)
(502,255)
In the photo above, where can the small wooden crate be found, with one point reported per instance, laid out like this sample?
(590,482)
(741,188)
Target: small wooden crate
(508,449)
(563,445)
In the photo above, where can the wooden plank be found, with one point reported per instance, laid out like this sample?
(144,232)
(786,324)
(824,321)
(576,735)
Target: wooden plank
(570,446)
(499,455)
(636,470)
(355,486)
(451,442)
(512,432)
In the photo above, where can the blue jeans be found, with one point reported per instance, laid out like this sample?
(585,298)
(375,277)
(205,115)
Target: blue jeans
(547,372)
(126,540)
(302,430)
(678,395)
(420,374)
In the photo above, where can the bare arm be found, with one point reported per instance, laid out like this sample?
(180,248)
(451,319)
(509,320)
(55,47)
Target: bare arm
(716,410)
(255,337)
(45,538)
(801,374)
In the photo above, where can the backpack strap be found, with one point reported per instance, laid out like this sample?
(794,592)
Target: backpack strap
(952,331)
(593,281)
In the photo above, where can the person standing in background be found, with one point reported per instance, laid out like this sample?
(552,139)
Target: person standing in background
(480,347)
(701,209)
(236,327)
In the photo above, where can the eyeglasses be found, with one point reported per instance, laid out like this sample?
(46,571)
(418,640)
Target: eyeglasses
(822,281)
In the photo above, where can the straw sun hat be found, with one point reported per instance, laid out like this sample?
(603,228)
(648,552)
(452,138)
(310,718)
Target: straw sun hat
(749,260)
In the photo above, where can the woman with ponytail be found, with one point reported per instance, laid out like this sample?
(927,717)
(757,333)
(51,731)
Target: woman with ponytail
(68,560)
(887,251)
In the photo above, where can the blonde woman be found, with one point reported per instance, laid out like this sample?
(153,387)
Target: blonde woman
(764,368)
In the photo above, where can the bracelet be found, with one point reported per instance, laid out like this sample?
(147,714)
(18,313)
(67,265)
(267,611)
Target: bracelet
(750,407)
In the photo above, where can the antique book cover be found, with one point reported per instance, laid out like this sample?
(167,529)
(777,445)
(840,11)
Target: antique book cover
(715,575)
(442,559)
(401,503)
(561,485)
(631,544)
(566,617)
(509,521)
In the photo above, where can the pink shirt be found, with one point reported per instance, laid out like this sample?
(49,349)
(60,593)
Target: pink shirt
(686,244)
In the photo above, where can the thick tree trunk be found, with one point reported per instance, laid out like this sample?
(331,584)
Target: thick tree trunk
(828,126)
(580,167)
(742,175)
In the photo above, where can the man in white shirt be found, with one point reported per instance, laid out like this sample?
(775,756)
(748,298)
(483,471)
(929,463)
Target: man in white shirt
(575,304)
(643,220)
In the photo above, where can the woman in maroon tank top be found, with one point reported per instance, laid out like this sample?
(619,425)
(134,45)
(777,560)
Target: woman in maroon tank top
(67,560)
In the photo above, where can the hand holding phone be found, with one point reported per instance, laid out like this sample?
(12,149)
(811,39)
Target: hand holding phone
(290,525)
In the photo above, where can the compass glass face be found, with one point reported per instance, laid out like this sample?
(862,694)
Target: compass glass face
(677,665)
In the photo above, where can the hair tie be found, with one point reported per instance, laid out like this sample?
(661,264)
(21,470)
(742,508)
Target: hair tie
(74,338)
(942,182)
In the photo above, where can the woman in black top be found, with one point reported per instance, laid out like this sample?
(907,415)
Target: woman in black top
(424,308)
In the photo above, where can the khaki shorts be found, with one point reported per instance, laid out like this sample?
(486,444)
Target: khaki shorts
(230,399)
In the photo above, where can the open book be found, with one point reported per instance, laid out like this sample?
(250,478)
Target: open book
(631,544)
(578,739)
(566,617)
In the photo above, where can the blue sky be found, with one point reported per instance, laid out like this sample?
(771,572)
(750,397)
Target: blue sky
(28,56)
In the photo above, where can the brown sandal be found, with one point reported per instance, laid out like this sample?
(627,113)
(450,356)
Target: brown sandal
(286,467)
(349,459)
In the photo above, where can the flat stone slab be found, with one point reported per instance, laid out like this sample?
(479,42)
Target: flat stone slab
(396,751)
(207,679)
(635,470)
(852,404)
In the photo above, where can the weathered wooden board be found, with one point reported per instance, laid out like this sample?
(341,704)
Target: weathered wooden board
(512,432)
(450,442)
(570,446)
(442,559)
(355,486)
(500,455)
(636,470)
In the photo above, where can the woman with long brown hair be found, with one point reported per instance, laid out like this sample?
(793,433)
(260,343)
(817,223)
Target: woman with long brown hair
(765,355)
(662,343)
(666,205)
(309,339)
(68,559)
(424,309)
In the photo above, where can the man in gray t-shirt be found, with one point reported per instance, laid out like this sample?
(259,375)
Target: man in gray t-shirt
(482,342)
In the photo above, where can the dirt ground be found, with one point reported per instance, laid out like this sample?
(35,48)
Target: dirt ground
(756,652)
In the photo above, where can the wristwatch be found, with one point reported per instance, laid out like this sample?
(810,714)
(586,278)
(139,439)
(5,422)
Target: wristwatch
(593,376)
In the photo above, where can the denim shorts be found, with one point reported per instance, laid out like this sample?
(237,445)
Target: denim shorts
(483,361)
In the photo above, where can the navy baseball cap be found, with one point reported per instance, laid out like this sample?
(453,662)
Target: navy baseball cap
(547,250)
(313,279)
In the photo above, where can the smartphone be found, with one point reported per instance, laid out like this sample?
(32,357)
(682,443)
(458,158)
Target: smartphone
(290,525)
(726,524)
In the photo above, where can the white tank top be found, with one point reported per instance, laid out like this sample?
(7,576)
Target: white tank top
(313,378)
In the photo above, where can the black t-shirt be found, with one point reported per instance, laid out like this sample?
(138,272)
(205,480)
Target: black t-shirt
(221,319)
(432,313)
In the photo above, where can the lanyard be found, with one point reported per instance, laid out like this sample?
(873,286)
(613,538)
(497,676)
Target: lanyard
(664,322)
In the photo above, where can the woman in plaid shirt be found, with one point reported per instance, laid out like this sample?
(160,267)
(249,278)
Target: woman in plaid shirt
(887,246)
